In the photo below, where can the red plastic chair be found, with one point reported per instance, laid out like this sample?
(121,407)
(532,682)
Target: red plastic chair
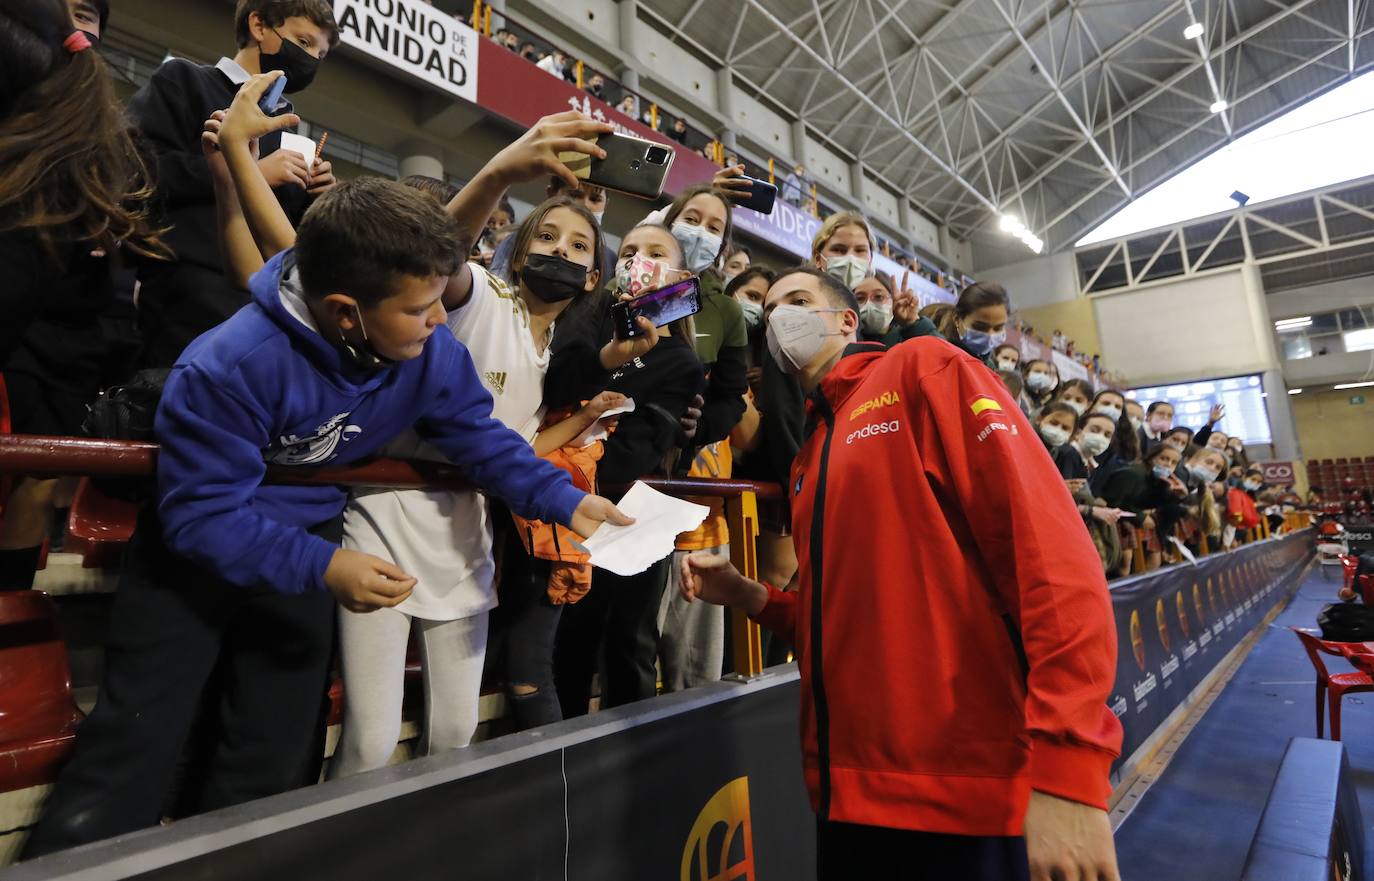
(1338,684)
(38,716)
(98,526)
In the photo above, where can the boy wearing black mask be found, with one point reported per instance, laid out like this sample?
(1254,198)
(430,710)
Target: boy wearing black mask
(181,299)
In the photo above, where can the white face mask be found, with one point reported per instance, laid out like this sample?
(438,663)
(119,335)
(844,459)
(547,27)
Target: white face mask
(1054,435)
(598,215)
(1078,407)
(796,335)
(848,269)
(1006,364)
(753,313)
(699,247)
(874,318)
(1136,422)
(1112,413)
(1039,382)
(1095,444)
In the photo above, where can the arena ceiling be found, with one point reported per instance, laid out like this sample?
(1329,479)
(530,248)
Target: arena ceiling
(1059,112)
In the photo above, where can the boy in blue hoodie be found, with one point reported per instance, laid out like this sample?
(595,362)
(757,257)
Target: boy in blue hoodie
(343,347)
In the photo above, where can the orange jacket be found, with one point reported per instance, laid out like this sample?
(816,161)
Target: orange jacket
(571,576)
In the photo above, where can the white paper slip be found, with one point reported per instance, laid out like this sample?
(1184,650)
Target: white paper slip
(1183,549)
(299,144)
(598,430)
(659,518)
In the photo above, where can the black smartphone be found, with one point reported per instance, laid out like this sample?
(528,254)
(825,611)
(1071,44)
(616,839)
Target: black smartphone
(272,97)
(661,307)
(761,196)
(634,166)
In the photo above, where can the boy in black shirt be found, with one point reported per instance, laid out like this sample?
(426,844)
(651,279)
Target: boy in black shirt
(181,299)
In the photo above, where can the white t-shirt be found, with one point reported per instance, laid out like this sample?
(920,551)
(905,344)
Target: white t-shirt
(444,538)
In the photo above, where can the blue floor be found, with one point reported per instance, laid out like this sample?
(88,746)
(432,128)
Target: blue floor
(1197,820)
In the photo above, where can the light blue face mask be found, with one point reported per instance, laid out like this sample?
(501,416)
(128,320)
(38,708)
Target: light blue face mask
(980,342)
(699,247)
(753,313)
(1163,471)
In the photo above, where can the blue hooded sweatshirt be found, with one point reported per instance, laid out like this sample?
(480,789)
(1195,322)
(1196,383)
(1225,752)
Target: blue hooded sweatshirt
(265,388)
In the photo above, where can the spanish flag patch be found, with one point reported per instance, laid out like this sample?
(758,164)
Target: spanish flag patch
(982,404)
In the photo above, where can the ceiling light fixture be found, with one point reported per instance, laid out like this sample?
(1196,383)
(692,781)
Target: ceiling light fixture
(1347,385)
(1192,31)
(1295,391)
(1219,106)
(1010,223)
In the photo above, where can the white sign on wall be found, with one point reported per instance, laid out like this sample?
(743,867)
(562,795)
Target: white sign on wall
(416,38)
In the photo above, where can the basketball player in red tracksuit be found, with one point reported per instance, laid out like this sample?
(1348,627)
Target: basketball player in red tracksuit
(952,623)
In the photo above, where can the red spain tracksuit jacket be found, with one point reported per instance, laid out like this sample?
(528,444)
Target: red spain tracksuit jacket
(952,623)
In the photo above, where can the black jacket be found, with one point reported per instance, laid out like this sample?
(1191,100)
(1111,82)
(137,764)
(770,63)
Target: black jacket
(662,384)
(180,300)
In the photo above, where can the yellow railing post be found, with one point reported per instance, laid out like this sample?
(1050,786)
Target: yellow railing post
(580,68)
(815,202)
(653,117)
(486,22)
(476,15)
(771,175)
(742,517)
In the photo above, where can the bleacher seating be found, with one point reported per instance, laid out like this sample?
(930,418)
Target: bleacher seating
(38,715)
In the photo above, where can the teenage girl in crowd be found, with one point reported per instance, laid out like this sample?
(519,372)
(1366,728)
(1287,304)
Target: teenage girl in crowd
(1150,491)
(1040,381)
(978,322)
(1077,393)
(1058,423)
(621,613)
(1007,357)
(443,538)
(73,202)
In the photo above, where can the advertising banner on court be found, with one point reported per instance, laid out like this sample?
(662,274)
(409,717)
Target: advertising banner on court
(414,38)
(1279,473)
(1175,625)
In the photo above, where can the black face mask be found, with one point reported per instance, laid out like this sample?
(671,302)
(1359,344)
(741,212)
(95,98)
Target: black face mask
(364,356)
(553,279)
(95,40)
(299,65)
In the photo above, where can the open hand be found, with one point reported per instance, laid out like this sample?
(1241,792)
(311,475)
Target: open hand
(1218,411)
(603,402)
(592,511)
(731,180)
(535,153)
(245,122)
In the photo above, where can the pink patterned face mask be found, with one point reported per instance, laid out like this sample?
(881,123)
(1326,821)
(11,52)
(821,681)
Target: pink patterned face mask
(641,274)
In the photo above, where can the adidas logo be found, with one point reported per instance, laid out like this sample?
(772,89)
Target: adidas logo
(496,381)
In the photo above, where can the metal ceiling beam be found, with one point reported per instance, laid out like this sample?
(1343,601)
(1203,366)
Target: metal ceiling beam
(1083,227)
(863,97)
(1172,82)
(1108,162)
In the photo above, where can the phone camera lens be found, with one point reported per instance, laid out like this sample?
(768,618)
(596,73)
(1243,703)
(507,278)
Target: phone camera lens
(657,155)
(634,164)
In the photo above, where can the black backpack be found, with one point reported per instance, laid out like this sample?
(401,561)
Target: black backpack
(1346,622)
(125,412)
